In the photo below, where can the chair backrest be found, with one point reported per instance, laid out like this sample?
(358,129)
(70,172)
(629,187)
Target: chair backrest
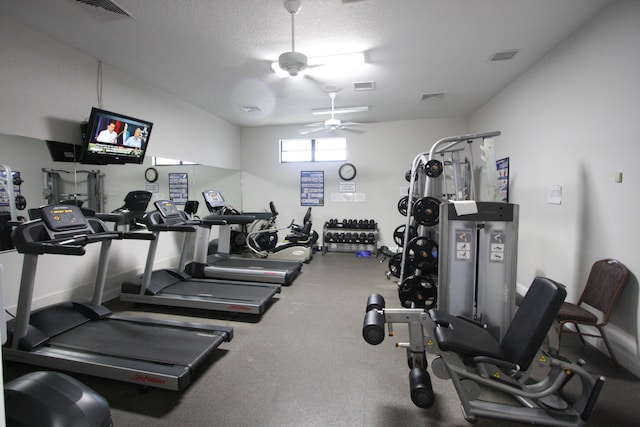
(604,285)
(532,321)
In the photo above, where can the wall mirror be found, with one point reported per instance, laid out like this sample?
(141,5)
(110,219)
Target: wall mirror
(31,159)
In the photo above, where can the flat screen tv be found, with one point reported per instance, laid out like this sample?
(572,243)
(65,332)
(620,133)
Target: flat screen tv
(113,138)
(64,151)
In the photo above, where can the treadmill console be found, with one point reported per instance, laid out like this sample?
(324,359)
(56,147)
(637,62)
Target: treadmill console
(214,200)
(61,218)
(167,209)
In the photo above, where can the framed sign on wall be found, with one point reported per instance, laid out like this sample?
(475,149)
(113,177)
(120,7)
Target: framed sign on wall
(312,188)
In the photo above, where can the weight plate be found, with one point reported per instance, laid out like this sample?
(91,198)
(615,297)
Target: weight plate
(433,168)
(427,211)
(402,205)
(21,202)
(395,265)
(424,254)
(418,292)
(399,232)
(407,175)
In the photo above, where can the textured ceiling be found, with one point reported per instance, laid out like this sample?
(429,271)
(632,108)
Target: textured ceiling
(216,54)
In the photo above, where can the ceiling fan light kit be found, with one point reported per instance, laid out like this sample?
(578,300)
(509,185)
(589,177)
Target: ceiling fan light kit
(293,62)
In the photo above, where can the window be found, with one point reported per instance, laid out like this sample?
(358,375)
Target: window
(162,161)
(313,150)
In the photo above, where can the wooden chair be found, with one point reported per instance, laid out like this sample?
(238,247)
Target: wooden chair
(604,285)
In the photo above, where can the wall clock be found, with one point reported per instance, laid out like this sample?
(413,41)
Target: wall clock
(151,175)
(347,171)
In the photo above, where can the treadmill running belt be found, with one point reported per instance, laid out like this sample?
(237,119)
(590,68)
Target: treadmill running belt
(220,291)
(257,264)
(138,341)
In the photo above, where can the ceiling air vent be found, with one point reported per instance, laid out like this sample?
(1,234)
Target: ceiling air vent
(364,85)
(250,108)
(108,5)
(426,96)
(504,55)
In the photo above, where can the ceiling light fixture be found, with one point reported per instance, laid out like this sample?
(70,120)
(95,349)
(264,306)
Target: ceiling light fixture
(342,60)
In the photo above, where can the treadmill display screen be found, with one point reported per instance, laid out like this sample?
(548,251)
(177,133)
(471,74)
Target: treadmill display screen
(213,198)
(167,209)
(63,217)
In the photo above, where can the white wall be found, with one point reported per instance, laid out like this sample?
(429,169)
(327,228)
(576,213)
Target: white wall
(46,90)
(573,120)
(381,155)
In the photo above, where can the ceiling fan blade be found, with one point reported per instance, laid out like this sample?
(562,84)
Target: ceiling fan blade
(315,125)
(352,124)
(354,130)
(308,131)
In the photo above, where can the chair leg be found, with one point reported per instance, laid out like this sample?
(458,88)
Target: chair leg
(606,342)
(580,334)
(560,327)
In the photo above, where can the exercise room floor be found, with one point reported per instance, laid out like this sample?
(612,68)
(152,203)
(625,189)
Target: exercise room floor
(304,363)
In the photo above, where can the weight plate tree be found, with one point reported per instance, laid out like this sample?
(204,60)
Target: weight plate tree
(419,238)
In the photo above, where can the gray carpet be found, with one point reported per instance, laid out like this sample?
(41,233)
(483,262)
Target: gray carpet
(304,363)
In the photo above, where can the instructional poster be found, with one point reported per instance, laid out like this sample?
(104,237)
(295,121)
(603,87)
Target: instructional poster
(179,188)
(312,188)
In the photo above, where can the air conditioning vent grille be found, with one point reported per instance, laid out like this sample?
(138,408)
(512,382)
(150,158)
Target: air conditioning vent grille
(108,5)
(364,85)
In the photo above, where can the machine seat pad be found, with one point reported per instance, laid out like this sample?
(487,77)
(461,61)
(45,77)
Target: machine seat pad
(464,337)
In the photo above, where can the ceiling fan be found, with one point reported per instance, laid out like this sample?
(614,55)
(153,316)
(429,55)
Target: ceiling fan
(293,62)
(331,124)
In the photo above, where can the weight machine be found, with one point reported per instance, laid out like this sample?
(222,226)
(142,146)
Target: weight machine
(54,186)
(433,186)
(526,382)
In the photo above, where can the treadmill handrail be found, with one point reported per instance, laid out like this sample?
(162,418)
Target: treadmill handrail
(72,245)
(138,235)
(227,219)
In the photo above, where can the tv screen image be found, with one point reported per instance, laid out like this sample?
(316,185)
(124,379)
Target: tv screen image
(115,138)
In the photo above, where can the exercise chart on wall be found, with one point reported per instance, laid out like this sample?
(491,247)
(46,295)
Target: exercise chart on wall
(179,188)
(312,188)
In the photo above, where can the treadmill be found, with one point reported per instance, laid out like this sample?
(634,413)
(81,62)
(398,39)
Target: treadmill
(85,337)
(174,287)
(221,265)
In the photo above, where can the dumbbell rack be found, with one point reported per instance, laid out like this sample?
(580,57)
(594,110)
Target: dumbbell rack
(349,235)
